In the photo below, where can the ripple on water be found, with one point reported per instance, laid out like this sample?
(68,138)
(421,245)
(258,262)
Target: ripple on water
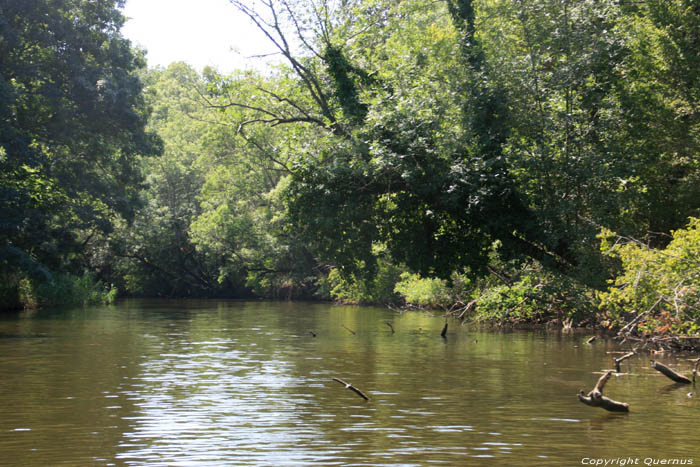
(244,384)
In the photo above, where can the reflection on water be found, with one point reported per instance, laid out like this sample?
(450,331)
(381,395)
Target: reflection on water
(246,383)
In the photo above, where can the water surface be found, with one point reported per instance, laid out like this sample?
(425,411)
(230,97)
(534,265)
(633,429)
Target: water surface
(214,383)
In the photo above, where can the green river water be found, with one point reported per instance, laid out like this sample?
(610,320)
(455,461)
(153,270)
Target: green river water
(217,383)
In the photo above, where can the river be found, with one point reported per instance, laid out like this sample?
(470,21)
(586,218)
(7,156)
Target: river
(216,383)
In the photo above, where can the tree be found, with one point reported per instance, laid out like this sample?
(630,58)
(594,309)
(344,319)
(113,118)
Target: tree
(457,125)
(211,220)
(402,167)
(73,121)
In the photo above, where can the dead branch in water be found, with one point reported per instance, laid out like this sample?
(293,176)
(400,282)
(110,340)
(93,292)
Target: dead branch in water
(660,367)
(622,359)
(595,398)
(347,328)
(443,334)
(591,339)
(390,327)
(460,309)
(352,388)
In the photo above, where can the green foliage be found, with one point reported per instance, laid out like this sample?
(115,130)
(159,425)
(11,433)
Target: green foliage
(437,130)
(10,298)
(361,289)
(425,292)
(345,88)
(508,303)
(73,120)
(65,289)
(663,283)
(533,294)
(213,221)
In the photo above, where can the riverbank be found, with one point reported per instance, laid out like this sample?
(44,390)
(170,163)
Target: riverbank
(625,335)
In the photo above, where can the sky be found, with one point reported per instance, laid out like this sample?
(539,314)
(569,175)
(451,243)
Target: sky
(199,32)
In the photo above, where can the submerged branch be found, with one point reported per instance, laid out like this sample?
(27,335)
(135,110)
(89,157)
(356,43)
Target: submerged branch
(352,388)
(622,359)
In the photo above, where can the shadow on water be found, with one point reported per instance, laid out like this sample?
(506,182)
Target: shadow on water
(674,387)
(6,335)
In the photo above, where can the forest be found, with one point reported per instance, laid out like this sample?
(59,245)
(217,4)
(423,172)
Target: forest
(517,161)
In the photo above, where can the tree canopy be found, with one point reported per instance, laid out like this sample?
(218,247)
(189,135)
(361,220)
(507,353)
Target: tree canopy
(73,119)
(471,146)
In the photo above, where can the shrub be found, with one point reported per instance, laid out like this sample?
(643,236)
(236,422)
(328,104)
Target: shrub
(9,293)
(425,292)
(662,283)
(534,294)
(354,289)
(66,289)
(508,302)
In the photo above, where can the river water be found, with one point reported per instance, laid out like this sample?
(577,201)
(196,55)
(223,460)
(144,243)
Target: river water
(217,383)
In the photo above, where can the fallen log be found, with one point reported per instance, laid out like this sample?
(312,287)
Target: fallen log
(595,398)
(622,359)
(352,388)
(660,367)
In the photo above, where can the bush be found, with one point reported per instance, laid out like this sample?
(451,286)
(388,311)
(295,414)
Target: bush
(425,292)
(510,302)
(66,289)
(534,294)
(378,290)
(9,293)
(665,283)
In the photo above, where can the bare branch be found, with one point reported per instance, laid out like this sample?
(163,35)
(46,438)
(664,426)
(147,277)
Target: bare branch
(638,318)
(352,388)
(279,40)
(287,101)
(265,152)
(300,35)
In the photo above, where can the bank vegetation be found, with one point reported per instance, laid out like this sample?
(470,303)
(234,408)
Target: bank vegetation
(508,161)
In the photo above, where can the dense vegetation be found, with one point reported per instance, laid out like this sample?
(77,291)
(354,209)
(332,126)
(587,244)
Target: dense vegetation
(430,153)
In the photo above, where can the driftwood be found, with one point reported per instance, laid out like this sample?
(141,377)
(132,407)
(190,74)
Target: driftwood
(660,367)
(390,327)
(352,388)
(622,359)
(595,398)
(347,328)
(443,334)
(313,334)
(591,339)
